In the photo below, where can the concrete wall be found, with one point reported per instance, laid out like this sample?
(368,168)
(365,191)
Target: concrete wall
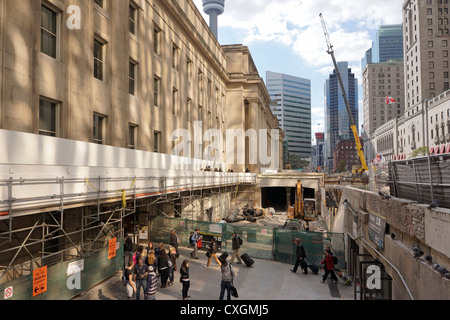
(412,224)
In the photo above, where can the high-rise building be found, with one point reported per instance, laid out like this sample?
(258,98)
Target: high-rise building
(381,80)
(337,122)
(388,43)
(293,109)
(426,30)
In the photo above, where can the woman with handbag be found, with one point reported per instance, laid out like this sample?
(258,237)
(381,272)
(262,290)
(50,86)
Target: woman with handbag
(212,253)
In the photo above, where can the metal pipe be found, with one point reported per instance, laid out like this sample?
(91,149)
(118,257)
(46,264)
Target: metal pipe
(394,267)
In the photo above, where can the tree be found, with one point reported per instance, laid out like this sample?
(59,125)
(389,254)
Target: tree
(423,151)
(342,166)
(297,162)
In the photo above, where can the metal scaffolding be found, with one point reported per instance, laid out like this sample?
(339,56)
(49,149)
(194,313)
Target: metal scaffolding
(51,228)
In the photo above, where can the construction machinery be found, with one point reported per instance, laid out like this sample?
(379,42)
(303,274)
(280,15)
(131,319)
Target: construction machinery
(359,149)
(304,207)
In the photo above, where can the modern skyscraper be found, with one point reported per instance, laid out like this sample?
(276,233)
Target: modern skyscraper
(337,123)
(293,109)
(387,45)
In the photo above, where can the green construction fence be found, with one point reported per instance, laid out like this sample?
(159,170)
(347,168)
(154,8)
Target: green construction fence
(259,242)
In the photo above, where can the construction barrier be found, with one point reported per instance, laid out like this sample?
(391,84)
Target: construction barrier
(65,280)
(259,242)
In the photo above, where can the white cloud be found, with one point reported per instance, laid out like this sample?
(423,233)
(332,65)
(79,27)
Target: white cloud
(296,23)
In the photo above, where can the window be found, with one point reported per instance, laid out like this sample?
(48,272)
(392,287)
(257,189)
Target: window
(156,91)
(49,31)
(132,136)
(132,77)
(98,59)
(445,53)
(156,40)
(189,65)
(133,19)
(157,142)
(98,129)
(174,100)
(48,118)
(175,57)
(188,109)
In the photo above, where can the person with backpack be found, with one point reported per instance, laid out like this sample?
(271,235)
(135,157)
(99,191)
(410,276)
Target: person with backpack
(227,279)
(301,256)
(212,253)
(236,243)
(329,266)
(195,237)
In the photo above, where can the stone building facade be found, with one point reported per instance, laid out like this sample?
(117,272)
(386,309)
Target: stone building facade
(121,73)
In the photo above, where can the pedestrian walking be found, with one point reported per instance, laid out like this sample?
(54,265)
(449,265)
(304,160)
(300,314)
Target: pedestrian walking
(329,266)
(152,283)
(140,277)
(236,243)
(212,253)
(184,279)
(130,284)
(194,242)
(227,280)
(173,266)
(175,241)
(163,266)
(127,250)
(301,256)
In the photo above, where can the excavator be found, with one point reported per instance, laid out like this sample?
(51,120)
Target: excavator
(363,168)
(304,207)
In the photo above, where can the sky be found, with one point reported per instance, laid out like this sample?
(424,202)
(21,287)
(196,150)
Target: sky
(286,36)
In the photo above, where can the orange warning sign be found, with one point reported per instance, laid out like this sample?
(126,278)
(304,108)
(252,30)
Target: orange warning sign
(112,248)
(39,281)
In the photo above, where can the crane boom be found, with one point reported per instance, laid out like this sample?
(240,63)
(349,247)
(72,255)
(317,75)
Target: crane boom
(344,95)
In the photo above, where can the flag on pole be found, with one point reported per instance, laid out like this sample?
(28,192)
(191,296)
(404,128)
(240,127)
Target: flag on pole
(390,100)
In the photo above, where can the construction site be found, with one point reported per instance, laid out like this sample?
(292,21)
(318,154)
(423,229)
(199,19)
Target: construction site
(90,161)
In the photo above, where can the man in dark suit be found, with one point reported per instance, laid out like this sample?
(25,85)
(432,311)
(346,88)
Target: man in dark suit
(301,255)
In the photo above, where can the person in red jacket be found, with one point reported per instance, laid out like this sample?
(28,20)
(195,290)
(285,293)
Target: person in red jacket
(329,266)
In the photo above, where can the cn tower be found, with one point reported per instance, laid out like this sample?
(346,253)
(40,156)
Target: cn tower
(213,8)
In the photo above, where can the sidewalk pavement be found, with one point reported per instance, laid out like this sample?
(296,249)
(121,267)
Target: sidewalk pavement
(265,280)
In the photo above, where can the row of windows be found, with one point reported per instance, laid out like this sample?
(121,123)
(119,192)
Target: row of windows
(49,44)
(49,125)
